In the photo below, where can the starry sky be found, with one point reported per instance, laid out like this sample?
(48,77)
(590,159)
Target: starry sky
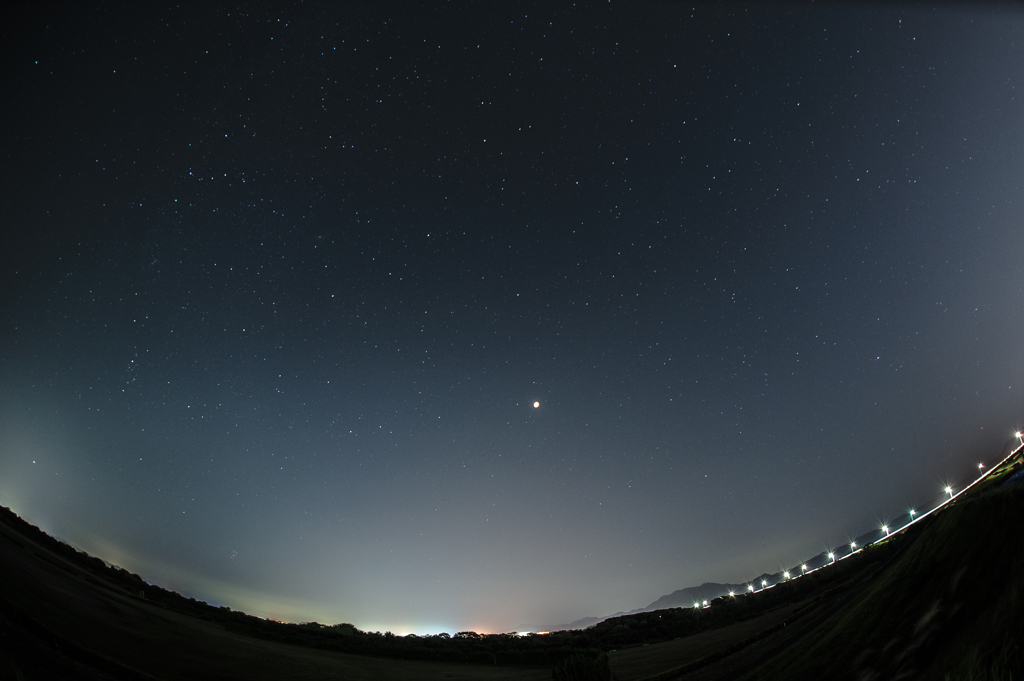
(282,284)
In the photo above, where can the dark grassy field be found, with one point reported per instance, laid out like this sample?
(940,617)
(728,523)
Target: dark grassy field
(639,662)
(942,600)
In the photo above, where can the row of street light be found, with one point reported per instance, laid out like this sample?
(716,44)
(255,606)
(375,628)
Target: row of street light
(885,526)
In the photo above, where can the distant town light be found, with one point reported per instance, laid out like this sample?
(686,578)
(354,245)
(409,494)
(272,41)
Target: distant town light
(764,583)
(885,528)
(786,574)
(949,491)
(853,545)
(750,587)
(832,556)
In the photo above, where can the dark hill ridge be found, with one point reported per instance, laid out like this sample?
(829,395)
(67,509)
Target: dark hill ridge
(708,591)
(949,605)
(941,599)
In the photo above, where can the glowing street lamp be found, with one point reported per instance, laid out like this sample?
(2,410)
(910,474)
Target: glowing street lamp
(853,545)
(803,568)
(885,528)
(949,491)
(764,583)
(832,556)
(912,513)
(786,574)
(750,588)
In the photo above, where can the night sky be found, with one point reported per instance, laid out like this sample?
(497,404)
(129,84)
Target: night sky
(283,283)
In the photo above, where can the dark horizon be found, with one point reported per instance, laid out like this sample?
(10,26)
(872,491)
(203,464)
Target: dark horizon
(282,286)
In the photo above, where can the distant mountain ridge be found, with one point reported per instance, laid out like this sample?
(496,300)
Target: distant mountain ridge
(687,598)
(681,598)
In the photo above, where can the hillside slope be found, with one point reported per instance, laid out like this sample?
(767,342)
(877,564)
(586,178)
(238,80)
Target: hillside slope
(950,606)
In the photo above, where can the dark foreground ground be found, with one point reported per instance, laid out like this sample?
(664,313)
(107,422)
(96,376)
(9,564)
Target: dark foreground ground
(944,600)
